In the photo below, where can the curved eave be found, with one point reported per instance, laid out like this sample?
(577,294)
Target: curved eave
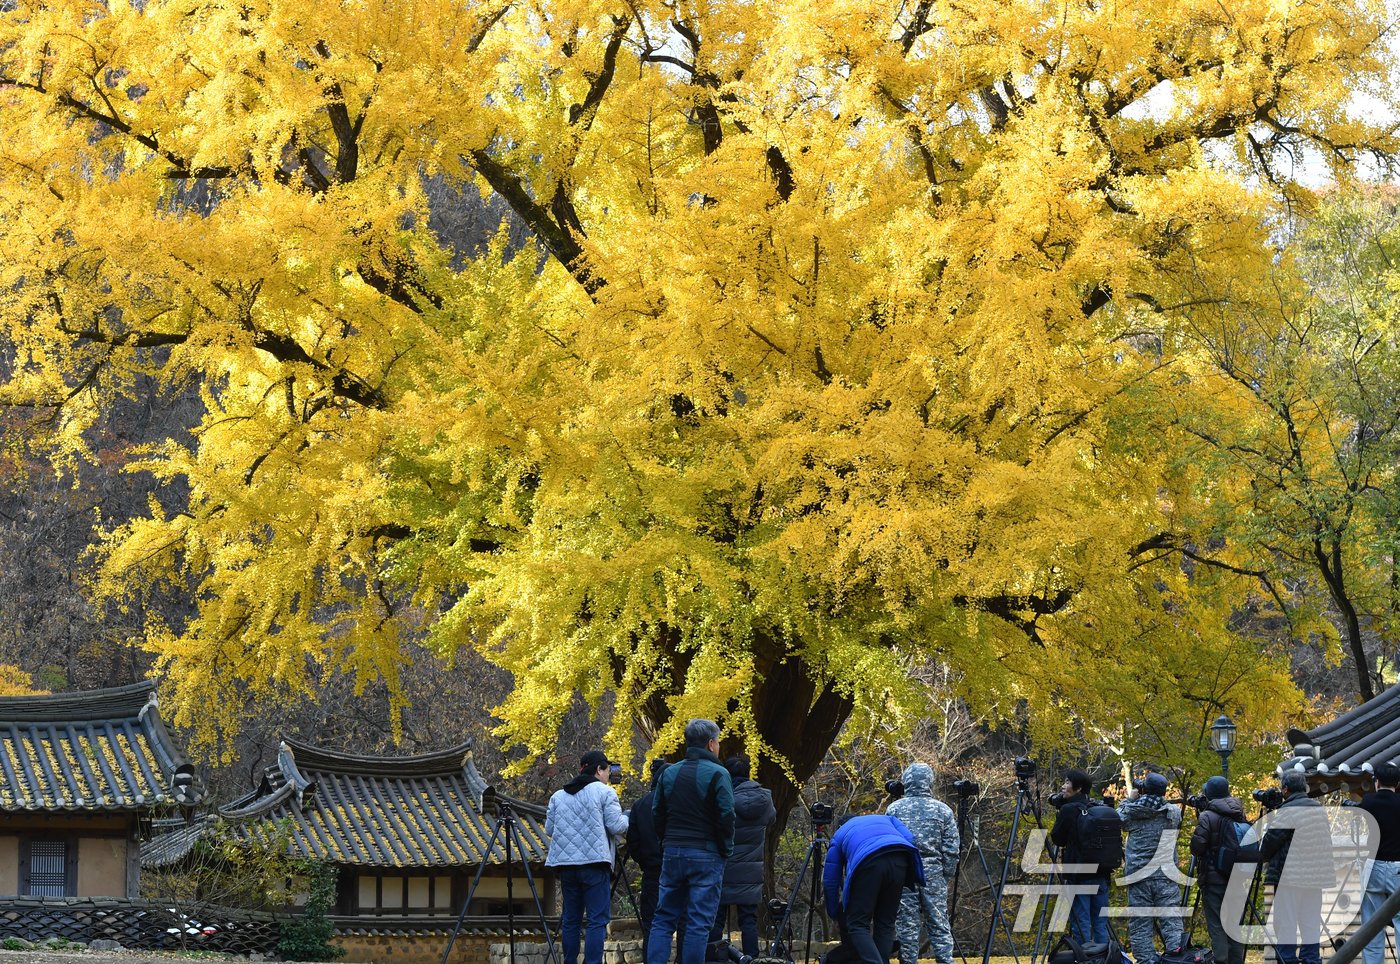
(255,806)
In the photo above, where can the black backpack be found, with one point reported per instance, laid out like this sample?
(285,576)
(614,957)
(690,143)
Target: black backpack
(1100,837)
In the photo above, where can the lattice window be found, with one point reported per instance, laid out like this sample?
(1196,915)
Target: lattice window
(48,868)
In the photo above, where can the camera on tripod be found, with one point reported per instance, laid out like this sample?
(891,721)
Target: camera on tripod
(1197,801)
(822,814)
(1270,798)
(1025,768)
(966,788)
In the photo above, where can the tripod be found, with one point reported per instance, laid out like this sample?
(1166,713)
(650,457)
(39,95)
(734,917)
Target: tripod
(505,827)
(1025,802)
(971,842)
(620,874)
(815,848)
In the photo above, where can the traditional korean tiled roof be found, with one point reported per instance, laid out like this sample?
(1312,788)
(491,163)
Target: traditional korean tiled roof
(101,750)
(1341,754)
(432,810)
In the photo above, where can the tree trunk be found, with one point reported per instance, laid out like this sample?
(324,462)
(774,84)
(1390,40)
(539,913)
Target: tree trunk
(1329,561)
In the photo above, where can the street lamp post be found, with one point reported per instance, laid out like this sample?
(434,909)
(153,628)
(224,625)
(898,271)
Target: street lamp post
(1222,741)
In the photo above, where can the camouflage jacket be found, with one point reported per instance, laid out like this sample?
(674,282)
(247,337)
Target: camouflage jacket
(1146,819)
(931,821)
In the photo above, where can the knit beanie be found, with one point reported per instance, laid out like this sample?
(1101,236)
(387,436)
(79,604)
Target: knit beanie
(1216,788)
(1155,784)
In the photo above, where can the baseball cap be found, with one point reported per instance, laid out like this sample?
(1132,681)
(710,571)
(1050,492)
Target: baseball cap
(592,760)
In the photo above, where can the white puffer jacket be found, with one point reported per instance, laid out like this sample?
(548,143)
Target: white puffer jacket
(581,826)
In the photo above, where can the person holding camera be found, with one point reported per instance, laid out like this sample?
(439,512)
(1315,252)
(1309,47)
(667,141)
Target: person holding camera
(694,812)
(1383,803)
(1087,919)
(1148,817)
(583,818)
(1219,812)
(1300,867)
(870,861)
(754,813)
(935,831)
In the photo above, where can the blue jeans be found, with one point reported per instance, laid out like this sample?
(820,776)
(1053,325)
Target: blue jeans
(1086,920)
(587,892)
(1383,880)
(690,886)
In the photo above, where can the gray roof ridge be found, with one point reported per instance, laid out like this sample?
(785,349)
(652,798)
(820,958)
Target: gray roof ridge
(112,703)
(313,759)
(1382,708)
(259,805)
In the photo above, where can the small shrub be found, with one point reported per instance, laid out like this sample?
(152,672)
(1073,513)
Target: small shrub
(308,937)
(16,944)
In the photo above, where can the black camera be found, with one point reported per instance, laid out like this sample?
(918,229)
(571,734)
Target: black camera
(822,814)
(1270,798)
(1025,768)
(894,788)
(1057,799)
(966,788)
(725,951)
(1197,800)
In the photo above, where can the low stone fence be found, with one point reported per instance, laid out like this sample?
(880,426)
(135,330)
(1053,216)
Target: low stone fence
(143,924)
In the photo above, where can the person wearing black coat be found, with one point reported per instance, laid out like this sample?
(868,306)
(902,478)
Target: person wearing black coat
(743,871)
(644,847)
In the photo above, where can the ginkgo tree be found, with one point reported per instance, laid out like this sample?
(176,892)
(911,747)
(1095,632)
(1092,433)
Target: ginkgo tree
(815,367)
(1296,416)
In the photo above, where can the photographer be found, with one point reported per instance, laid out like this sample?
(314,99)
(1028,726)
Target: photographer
(935,830)
(644,846)
(869,863)
(583,821)
(1148,816)
(1086,912)
(1300,868)
(1384,877)
(1218,813)
(743,871)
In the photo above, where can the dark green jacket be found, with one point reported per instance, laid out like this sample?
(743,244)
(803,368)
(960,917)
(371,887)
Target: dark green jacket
(694,804)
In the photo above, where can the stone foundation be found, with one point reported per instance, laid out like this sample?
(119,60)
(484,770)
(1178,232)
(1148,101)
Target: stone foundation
(614,952)
(417,948)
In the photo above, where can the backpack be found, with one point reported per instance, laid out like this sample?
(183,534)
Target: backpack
(1069,951)
(1230,851)
(1100,837)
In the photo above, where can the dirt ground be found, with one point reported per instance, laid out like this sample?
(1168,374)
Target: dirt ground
(116,957)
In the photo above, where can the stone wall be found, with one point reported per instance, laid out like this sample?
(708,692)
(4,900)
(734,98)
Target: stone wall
(415,948)
(614,952)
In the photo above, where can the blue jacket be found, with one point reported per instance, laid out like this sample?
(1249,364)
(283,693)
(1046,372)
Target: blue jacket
(859,838)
